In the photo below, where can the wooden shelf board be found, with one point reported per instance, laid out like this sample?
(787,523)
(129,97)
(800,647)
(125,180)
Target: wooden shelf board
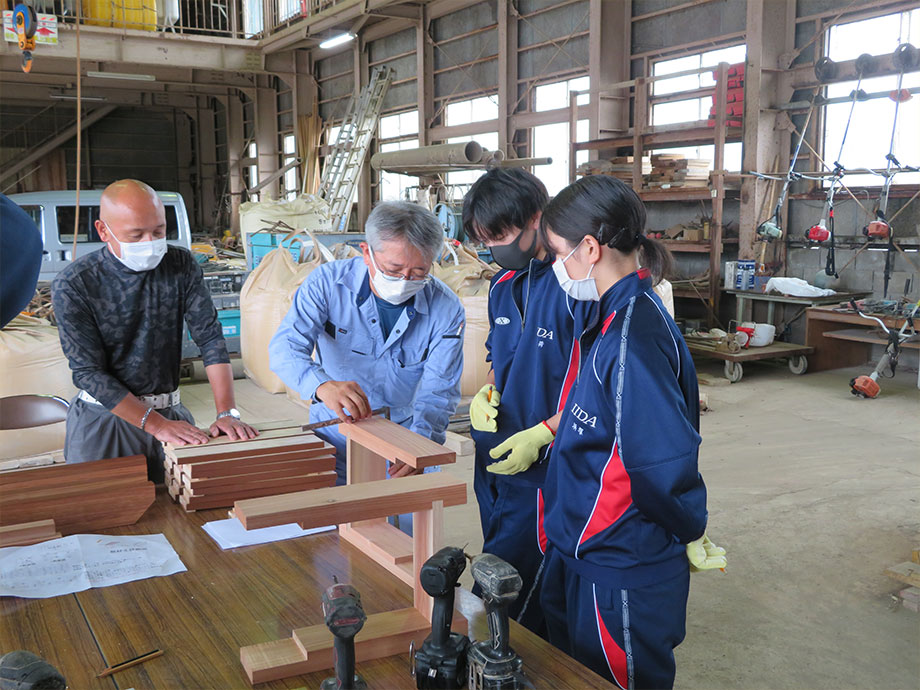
(861,335)
(679,135)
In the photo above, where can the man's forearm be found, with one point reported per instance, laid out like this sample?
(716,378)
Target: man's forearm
(133,410)
(220,376)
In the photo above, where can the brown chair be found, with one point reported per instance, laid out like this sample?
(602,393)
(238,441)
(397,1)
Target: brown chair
(25,411)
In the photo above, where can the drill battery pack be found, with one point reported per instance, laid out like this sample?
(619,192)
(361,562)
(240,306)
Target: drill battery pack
(442,669)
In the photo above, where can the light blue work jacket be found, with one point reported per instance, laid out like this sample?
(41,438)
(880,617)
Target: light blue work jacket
(415,372)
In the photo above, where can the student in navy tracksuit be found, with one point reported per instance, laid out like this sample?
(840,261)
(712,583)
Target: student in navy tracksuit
(625,503)
(534,356)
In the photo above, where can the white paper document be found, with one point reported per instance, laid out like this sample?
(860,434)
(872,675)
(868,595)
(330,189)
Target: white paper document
(81,561)
(230,534)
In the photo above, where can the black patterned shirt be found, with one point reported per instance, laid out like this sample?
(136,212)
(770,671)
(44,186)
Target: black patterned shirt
(121,330)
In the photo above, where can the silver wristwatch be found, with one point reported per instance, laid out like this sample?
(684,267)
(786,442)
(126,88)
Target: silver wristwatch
(232,412)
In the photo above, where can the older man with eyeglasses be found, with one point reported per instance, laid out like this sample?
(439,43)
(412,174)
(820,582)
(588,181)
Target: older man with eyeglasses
(385,333)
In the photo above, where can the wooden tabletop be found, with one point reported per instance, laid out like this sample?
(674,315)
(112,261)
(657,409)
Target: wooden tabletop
(227,600)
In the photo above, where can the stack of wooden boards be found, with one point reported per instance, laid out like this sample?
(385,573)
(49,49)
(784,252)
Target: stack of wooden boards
(620,167)
(671,170)
(217,474)
(84,497)
(908,573)
(734,97)
(26,533)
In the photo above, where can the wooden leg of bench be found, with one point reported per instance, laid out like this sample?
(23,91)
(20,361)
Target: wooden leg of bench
(427,529)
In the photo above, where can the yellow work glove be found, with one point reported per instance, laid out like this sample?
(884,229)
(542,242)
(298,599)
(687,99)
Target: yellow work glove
(484,408)
(525,449)
(704,555)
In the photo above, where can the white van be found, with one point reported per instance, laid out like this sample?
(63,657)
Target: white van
(53,213)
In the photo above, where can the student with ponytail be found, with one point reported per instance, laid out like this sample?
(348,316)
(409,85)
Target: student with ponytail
(625,503)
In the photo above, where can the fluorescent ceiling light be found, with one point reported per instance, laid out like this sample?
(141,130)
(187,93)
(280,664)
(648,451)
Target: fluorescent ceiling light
(337,40)
(67,97)
(121,75)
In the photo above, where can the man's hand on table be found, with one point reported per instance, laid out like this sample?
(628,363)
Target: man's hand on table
(178,433)
(401,469)
(340,396)
(232,428)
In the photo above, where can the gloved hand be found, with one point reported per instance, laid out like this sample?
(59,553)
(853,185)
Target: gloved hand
(525,449)
(704,555)
(484,408)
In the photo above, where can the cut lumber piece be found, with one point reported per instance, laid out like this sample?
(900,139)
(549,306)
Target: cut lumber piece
(392,544)
(66,474)
(270,435)
(310,649)
(297,468)
(395,442)
(221,468)
(240,449)
(460,444)
(907,572)
(26,533)
(353,502)
(276,424)
(73,491)
(40,460)
(313,482)
(90,512)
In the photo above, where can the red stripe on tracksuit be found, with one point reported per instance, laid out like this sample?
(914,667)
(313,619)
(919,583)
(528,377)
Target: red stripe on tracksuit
(613,497)
(607,322)
(571,374)
(616,657)
(541,533)
(508,276)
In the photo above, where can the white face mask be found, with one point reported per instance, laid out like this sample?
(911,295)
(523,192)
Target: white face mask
(584,289)
(139,256)
(394,290)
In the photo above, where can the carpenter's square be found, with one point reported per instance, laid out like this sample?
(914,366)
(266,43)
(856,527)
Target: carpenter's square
(385,411)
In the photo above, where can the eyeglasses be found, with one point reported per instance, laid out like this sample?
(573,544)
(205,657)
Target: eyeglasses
(414,275)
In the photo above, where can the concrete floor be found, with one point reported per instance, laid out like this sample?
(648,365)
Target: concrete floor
(814,493)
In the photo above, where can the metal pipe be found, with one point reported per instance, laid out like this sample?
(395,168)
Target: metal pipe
(441,155)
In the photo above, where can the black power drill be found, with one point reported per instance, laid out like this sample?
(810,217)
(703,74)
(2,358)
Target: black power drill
(22,670)
(493,663)
(344,617)
(440,663)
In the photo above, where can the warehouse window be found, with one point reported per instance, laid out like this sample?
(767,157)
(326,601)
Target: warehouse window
(475,110)
(556,95)
(689,109)
(397,132)
(869,137)
(553,141)
(252,171)
(488,141)
(291,188)
(252,19)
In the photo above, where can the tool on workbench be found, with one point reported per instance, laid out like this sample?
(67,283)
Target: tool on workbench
(26,23)
(344,617)
(385,411)
(905,58)
(867,386)
(22,670)
(441,661)
(493,663)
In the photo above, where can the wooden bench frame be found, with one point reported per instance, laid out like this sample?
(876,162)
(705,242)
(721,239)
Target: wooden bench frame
(370,497)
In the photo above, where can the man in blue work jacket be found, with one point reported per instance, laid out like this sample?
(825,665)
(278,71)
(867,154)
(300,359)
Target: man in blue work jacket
(386,333)
(533,348)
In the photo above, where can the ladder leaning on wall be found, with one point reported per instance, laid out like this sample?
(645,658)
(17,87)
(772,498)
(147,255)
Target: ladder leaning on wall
(345,160)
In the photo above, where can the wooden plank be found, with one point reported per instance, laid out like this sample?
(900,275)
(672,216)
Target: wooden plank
(864,335)
(223,468)
(386,559)
(460,444)
(241,449)
(91,513)
(70,492)
(386,541)
(270,435)
(296,468)
(907,572)
(315,482)
(364,465)
(428,536)
(353,502)
(273,661)
(26,533)
(395,442)
(65,474)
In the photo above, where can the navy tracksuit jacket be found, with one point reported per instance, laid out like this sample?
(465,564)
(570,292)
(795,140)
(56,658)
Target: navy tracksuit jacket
(534,355)
(623,493)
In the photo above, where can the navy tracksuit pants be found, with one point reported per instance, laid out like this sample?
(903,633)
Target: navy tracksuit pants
(512,529)
(625,635)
